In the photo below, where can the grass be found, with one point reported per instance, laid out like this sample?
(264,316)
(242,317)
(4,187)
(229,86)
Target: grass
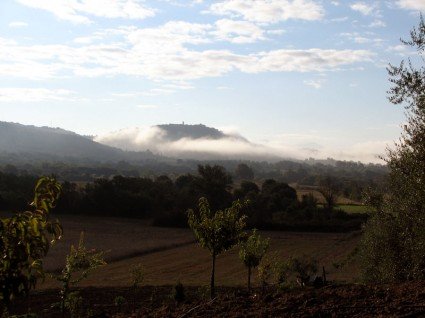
(352,208)
(170,255)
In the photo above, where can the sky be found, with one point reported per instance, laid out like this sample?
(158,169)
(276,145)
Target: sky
(301,78)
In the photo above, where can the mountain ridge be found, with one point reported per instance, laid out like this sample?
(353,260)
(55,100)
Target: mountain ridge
(176,140)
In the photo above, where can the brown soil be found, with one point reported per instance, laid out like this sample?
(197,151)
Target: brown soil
(396,300)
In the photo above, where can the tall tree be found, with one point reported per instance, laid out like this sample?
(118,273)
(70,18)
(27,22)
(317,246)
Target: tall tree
(215,183)
(393,245)
(328,187)
(244,172)
(217,231)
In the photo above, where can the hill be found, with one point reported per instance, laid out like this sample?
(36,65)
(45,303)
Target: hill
(178,131)
(58,143)
(188,142)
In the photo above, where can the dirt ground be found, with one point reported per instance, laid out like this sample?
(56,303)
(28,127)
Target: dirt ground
(395,300)
(170,255)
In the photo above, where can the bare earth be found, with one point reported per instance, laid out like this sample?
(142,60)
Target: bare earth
(170,255)
(397,300)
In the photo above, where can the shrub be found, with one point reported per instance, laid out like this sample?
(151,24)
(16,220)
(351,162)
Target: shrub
(25,240)
(304,268)
(118,302)
(80,262)
(138,275)
(178,292)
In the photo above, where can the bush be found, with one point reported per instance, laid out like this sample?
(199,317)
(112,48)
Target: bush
(178,292)
(25,240)
(304,268)
(80,262)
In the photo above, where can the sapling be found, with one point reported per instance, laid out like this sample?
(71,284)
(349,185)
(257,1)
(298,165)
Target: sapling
(118,302)
(252,250)
(138,275)
(217,231)
(80,262)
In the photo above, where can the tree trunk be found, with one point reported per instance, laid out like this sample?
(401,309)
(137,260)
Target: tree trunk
(212,287)
(249,278)
(323,275)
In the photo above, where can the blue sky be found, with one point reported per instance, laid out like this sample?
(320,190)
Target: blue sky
(300,77)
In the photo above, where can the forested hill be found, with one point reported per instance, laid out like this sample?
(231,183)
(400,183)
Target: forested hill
(178,131)
(59,143)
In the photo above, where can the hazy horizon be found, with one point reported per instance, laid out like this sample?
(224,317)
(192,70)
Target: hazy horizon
(301,78)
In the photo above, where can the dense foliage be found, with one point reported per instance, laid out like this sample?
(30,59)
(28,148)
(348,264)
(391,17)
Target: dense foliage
(393,245)
(274,204)
(352,177)
(25,240)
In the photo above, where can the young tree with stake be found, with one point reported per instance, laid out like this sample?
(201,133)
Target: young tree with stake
(252,251)
(217,231)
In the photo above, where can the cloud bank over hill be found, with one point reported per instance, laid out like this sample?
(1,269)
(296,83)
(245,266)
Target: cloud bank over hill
(159,139)
(182,141)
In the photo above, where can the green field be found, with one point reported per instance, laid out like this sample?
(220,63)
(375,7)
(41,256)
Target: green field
(351,208)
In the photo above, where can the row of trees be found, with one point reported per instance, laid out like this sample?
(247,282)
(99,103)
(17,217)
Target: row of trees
(274,204)
(352,177)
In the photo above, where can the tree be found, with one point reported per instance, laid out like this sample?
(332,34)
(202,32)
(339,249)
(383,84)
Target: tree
(393,244)
(244,172)
(246,189)
(25,240)
(329,189)
(252,252)
(217,231)
(214,183)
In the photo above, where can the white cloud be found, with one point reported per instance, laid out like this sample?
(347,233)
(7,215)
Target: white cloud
(311,60)
(18,24)
(360,39)
(377,24)
(87,39)
(147,106)
(341,19)
(237,31)
(19,94)
(269,11)
(233,145)
(401,50)
(77,11)
(363,7)
(223,88)
(168,38)
(312,144)
(155,139)
(412,4)
(276,32)
(316,83)
(171,52)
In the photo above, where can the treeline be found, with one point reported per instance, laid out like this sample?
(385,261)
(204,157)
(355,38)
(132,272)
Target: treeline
(351,177)
(272,204)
